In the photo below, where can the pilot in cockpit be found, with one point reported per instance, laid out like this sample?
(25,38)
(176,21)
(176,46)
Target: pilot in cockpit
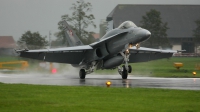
(126,25)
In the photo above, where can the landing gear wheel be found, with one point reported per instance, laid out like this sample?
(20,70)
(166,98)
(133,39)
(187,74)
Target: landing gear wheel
(129,69)
(82,73)
(124,73)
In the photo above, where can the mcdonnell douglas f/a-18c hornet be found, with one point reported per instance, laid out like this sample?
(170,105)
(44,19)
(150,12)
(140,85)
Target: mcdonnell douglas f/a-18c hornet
(116,47)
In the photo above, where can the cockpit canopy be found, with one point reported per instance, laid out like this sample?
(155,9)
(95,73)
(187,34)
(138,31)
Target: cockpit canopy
(126,25)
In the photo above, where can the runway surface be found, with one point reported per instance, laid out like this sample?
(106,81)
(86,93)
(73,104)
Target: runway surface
(100,80)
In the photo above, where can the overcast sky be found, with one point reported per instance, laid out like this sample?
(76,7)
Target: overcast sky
(18,16)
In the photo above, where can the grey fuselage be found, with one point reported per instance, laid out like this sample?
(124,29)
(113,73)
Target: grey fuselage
(112,43)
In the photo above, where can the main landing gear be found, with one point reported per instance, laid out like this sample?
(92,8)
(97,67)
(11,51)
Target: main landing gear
(87,70)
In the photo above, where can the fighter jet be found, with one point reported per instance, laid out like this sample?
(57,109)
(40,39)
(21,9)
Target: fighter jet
(117,47)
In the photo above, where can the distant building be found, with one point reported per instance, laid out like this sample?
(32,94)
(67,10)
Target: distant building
(180,19)
(7,44)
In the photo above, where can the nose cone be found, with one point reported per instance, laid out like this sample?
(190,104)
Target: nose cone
(148,34)
(143,35)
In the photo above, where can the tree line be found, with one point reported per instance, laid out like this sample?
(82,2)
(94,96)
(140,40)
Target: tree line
(81,19)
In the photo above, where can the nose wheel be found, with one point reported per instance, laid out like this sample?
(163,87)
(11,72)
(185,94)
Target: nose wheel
(82,73)
(129,69)
(124,72)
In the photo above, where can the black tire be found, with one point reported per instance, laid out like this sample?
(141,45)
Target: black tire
(124,73)
(82,74)
(129,69)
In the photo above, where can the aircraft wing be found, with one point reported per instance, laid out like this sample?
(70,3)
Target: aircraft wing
(71,55)
(143,54)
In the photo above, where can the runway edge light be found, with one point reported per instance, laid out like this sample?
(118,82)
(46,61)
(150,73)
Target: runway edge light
(194,73)
(178,65)
(108,83)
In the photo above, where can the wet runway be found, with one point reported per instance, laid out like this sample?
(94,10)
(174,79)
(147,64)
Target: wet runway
(100,80)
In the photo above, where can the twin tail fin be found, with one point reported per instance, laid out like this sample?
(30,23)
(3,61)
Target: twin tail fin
(70,35)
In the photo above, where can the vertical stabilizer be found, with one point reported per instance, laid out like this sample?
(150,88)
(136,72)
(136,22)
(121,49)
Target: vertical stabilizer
(71,36)
(109,26)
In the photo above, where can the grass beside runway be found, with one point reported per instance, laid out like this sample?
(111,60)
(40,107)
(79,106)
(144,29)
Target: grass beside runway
(163,68)
(32,98)
(156,68)
(8,58)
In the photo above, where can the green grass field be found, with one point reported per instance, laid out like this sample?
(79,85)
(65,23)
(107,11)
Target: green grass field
(157,68)
(37,98)
(8,58)
(163,68)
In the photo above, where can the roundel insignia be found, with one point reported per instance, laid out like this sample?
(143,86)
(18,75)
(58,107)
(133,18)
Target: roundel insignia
(70,32)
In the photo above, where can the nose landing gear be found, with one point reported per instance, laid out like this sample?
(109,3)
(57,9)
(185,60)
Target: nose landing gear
(124,72)
(125,68)
(82,73)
